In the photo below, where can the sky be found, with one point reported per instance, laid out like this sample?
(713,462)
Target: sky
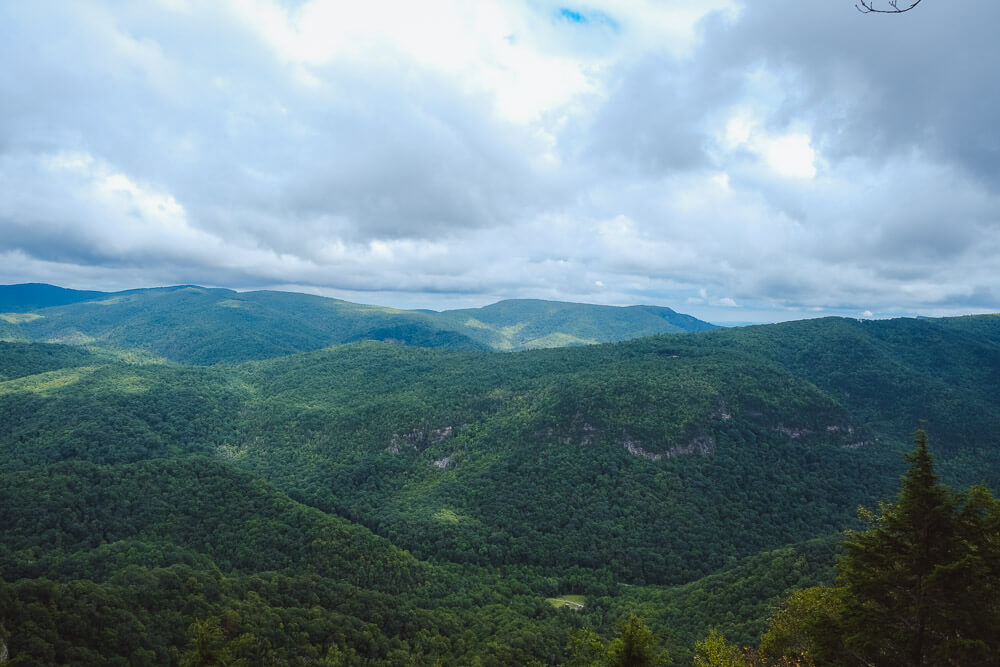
(736,160)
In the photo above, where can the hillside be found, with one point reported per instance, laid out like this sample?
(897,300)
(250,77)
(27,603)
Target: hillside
(32,296)
(693,477)
(519,324)
(198,325)
(891,373)
(640,453)
(206,326)
(187,560)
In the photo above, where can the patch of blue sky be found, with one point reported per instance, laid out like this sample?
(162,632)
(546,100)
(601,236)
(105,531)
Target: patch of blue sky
(595,18)
(573,16)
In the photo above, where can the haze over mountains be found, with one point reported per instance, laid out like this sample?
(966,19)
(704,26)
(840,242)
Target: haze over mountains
(333,493)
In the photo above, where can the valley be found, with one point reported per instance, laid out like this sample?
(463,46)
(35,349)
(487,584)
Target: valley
(362,501)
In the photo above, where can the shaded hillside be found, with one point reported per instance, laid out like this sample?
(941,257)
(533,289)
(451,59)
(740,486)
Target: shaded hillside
(161,513)
(738,599)
(891,374)
(163,562)
(20,359)
(519,324)
(32,296)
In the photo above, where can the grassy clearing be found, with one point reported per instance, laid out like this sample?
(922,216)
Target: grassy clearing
(43,383)
(19,318)
(571,601)
(445,515)
(557,339)
(231,303)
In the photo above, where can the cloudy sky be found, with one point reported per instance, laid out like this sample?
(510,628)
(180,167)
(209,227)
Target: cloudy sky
(740,160)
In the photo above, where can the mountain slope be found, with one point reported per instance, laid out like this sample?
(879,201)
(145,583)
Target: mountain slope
(891,373)
(32,296)
(198,325)
(162,560)
(657,456)
(686,462)
(668,456)
(206,326)
(665,463)
(159,513)
(519,324)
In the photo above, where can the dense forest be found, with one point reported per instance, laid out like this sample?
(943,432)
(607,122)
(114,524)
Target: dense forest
(229,496)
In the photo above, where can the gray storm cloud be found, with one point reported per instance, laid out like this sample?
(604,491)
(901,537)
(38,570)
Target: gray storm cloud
(772,156)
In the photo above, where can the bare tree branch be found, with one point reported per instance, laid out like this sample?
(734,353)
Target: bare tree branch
(868,7)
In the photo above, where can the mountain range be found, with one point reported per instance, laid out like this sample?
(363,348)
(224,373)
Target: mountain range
(199,325)
(277,477)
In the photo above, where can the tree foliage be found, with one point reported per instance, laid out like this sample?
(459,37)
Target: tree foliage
(916,587)
(384,504)
(715,651)
(635,645)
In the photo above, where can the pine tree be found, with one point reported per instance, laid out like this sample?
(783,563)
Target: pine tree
(919,586)
(895,574)
(635,646)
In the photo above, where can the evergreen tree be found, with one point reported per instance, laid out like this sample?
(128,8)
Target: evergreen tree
(917,587)
(973,609)
(895,594)
(635,646)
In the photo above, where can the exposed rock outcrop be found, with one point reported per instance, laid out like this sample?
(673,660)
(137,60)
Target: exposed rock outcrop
(420,439)
(700,444)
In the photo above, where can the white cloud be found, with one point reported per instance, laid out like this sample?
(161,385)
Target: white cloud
(495,49)
(720,154)
(789,154)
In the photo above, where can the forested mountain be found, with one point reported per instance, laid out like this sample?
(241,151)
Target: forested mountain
(518,324)
(32,296)
(374,503)
(891,373)
(187,560)
(198,325)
